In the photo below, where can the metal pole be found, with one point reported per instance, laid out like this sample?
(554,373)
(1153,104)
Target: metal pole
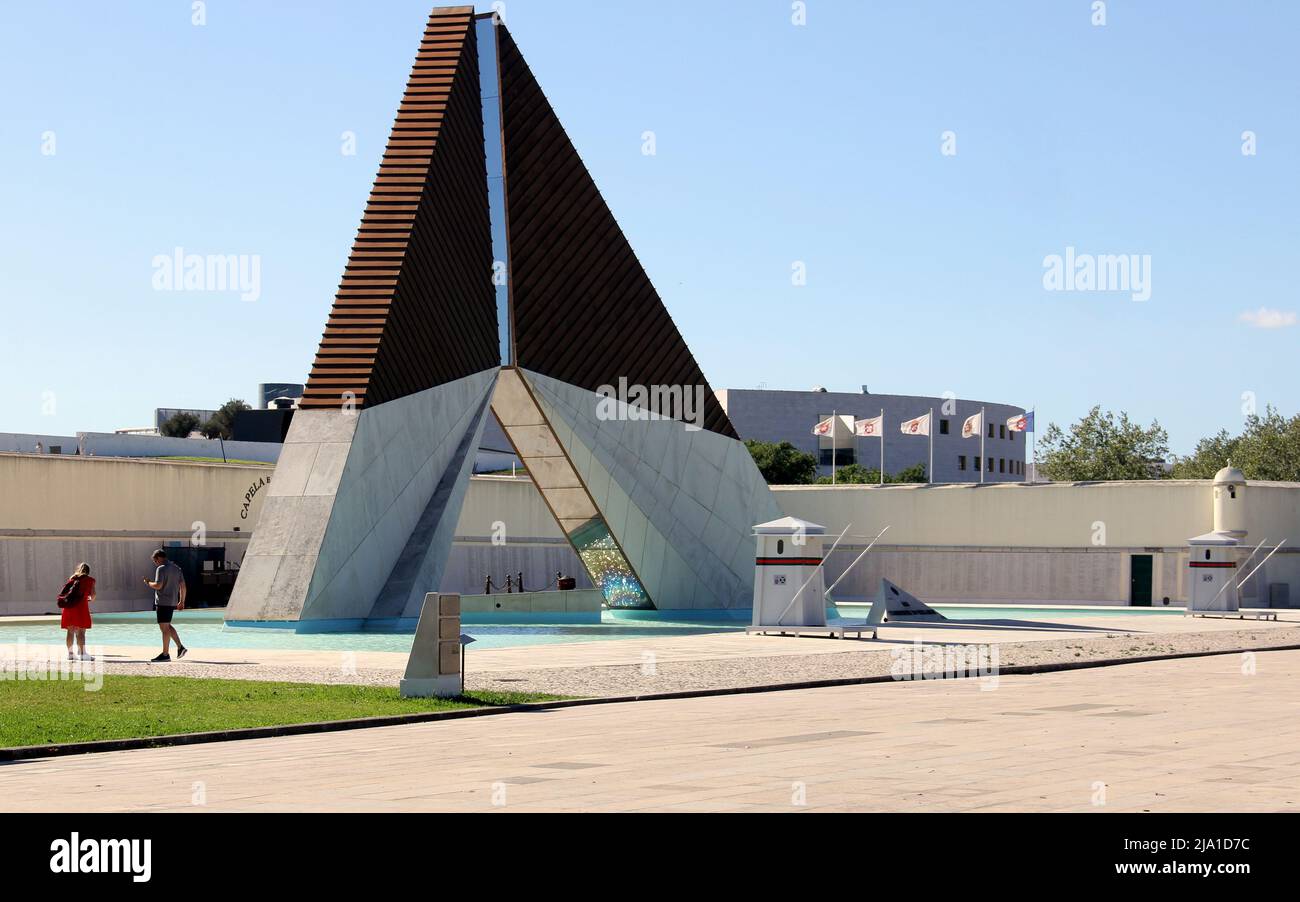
(1031,449)
(858,558)
(826,557)
(882,446)
(1251,556)
(1241,582)
(834,419)
(929,474)
(984,461)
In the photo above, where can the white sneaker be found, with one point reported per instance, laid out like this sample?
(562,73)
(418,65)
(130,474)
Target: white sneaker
(87,657)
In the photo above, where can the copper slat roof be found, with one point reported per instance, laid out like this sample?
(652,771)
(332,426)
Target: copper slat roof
(584,309)
(415,307)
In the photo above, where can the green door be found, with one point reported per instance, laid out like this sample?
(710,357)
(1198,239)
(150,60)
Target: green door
(1139,592)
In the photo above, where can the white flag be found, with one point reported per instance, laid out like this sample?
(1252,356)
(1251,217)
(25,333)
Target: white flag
(824,427)
(1022,423)
(873,427)
(973,426)
(918,426)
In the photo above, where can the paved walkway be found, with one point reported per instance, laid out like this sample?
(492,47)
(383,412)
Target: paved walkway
(1219,734)
(648,665)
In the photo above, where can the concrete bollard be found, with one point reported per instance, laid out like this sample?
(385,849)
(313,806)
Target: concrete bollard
(433,670)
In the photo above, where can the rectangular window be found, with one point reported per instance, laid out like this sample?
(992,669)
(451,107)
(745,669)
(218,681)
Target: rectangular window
(1002,430)
(977,462)
(1002,464)
(961,461)
(1011,436)
(842,441)
(990,430)
(943,427)
(843,457)
(990,465)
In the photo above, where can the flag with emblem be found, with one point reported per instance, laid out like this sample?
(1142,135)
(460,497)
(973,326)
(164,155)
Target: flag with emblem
(918,426)
(873,427)
(1022,423)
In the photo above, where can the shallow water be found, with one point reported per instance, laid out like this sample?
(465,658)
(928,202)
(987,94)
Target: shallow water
(205,629)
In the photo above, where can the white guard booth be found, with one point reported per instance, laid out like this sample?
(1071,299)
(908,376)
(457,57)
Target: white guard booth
(789,586)
(1212,573)
(789,557)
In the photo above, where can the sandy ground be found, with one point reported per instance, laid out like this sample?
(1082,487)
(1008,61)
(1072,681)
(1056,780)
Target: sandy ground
(725,661)
(897,659)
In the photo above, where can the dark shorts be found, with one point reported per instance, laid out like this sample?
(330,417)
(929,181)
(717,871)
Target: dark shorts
(164,613)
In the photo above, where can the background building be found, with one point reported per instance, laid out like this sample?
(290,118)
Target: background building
(1113,543)
(789,416)
(270,391)
(163,414)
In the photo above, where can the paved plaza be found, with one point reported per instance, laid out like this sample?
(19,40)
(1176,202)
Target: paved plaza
(1216,733)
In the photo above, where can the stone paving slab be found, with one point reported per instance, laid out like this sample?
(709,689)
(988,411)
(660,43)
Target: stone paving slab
(1215,735)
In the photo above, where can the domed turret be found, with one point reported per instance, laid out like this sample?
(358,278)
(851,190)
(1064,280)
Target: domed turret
(1230,502)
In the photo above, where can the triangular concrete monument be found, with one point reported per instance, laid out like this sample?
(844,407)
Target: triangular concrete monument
(488,273)
(899,605)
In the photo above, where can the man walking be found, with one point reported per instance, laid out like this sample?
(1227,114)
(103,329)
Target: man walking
(168,586)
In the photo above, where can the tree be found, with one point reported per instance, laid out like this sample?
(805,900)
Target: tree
(179,425)
(222,423)
(914,473)
(782,464)
(856,474)
(1268,449)
(1211,455)
(1102,446)
(852,474)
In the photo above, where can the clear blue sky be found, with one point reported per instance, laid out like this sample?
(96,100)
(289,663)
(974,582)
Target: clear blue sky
(775,144)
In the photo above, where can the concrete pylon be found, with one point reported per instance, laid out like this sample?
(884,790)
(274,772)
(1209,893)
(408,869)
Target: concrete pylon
(361,513)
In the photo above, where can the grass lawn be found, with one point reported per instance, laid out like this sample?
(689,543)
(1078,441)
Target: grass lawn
(43,713)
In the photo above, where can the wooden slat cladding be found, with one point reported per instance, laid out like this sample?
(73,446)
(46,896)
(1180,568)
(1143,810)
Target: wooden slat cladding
(585,311)
(415,308)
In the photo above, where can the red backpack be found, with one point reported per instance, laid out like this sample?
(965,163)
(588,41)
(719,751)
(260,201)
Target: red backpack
(71,594)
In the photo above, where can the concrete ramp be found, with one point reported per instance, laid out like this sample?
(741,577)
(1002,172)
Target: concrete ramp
(899,605)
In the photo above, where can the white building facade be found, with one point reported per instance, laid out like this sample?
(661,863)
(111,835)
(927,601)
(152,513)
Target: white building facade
(789,416)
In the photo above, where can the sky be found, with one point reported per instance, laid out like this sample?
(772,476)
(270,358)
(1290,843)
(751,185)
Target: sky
(823,149)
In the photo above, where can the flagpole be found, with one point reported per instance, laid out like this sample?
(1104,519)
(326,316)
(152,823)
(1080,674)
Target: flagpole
(929,473)
(1031,452)
(984,461)
(834,418)
(882,446)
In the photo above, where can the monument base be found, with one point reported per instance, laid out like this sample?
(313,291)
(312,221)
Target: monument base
(431,687)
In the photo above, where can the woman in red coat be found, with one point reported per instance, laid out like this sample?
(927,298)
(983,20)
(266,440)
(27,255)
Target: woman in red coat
(80,589)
